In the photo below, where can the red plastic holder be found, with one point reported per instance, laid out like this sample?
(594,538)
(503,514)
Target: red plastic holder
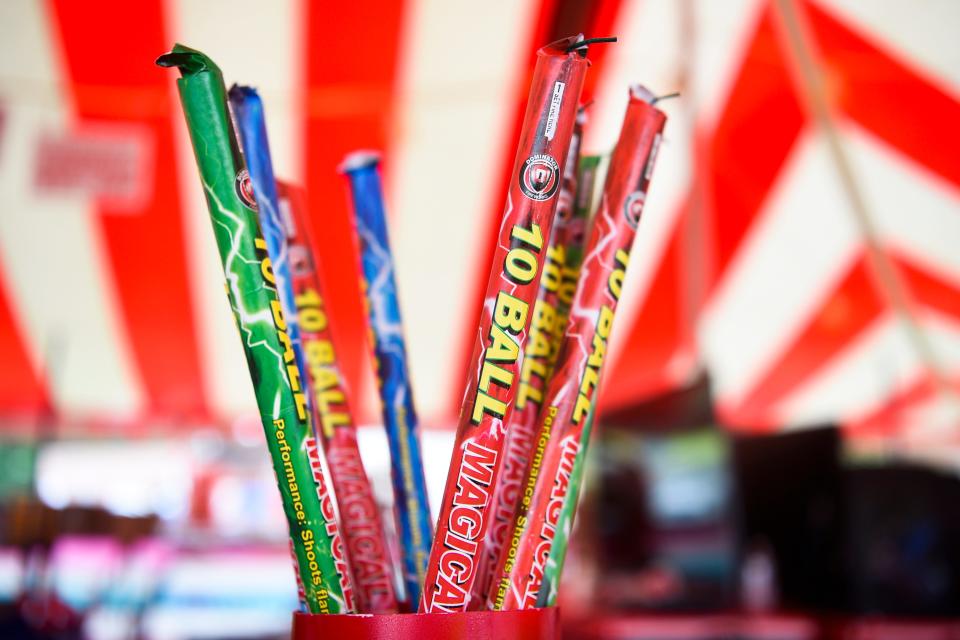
(526,624)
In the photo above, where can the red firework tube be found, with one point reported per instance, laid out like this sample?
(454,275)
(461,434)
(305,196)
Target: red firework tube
(492,383)
(557,285)
(360,520)
(570,392)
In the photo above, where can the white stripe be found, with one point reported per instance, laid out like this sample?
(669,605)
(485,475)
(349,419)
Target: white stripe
(650,50)
(916,212)
(455,104)
(933,423)
(921,34)
(723,32)
(802,241)
(256,44)
(647,51)
(52,249)
(273,67)
(869,370)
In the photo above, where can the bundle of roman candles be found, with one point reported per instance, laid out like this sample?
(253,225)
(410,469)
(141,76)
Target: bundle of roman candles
(525,422)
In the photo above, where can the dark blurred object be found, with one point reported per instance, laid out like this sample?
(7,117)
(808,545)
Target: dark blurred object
(48,605)
(27,522)
(664,516)
(855,540)
(696,627)
(668,412)
(683,517)
(791,503)
(903,541)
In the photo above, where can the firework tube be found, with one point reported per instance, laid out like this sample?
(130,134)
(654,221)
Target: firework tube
(252,292)
(493,380)
(247,109)
(553,569)
(390,353)
(557,284)
(570,393)
(586,186)
(586,178)
(360,521)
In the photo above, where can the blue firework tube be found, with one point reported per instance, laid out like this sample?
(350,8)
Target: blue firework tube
(247,108)
(399,416)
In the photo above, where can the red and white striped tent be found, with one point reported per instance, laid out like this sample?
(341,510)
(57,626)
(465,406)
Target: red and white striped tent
(800,243)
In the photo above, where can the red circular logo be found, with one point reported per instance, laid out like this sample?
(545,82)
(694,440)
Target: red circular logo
(539,177)
(633,208)
(244,188)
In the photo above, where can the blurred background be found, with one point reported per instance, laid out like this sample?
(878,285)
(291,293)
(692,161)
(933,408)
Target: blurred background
(779,440)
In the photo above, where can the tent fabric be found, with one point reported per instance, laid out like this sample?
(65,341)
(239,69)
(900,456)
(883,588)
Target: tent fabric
(750,264)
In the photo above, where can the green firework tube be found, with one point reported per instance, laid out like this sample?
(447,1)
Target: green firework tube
(256,308)
(553,568)
(587,173)
(586,183)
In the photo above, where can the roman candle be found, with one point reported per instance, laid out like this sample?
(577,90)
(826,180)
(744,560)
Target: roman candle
(393,376)
(334,425)
(557,285)
(247,109)
(493,379)
(252,292)
(555,561)
(569,396)
(250,119)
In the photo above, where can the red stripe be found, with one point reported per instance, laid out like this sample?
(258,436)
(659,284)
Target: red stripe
(596,18)
(352,56)
(849,308)
(603,22)
(108,58)
(756,132)
(554,19)
(895,102)
(930,290)
(21,388)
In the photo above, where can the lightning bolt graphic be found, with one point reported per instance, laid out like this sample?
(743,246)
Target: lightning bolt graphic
(590,263)
(244,316)
(386,317)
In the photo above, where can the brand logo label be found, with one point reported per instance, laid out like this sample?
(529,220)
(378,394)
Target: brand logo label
(539,177)
(244,188)
(633,207)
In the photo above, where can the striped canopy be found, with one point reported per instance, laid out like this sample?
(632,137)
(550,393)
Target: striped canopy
(800,243)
